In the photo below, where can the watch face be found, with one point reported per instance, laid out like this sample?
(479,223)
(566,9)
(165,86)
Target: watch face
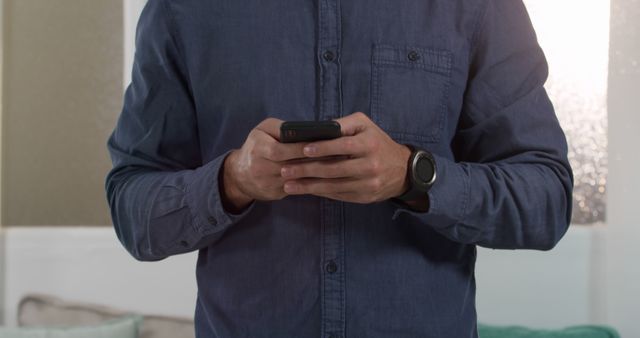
(424,170)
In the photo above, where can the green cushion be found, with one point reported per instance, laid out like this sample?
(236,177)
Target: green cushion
(126,327)
(585,331)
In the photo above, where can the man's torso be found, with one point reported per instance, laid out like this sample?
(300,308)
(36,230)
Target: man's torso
(311,267)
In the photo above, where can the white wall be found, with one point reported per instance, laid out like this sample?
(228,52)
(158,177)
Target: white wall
(536,288)
(132,9)
(623,250)
(88,264)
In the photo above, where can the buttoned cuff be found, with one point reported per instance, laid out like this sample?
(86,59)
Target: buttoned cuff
(448,197)
(205,201)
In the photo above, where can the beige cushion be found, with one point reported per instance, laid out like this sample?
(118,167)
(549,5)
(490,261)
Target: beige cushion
(41,310)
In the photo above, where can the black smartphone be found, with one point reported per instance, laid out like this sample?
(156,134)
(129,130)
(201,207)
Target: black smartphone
(309,131)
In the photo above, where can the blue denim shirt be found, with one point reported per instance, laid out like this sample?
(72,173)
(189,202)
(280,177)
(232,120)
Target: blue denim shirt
(462,79)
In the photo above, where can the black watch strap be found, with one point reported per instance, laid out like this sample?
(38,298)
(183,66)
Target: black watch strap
(412,195)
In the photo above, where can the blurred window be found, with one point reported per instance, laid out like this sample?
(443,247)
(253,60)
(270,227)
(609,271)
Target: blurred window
(575,37)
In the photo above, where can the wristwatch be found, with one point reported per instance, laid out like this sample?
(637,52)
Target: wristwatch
(421,174)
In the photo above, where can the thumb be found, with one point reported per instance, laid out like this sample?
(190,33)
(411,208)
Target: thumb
(271,126)
(353,124)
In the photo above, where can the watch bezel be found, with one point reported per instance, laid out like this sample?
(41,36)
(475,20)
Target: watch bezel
(421,154)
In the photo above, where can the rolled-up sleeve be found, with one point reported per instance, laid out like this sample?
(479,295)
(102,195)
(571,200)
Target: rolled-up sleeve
(163,199)
(510,184)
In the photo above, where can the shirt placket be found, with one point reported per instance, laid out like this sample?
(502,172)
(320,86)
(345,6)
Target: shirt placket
(330,107)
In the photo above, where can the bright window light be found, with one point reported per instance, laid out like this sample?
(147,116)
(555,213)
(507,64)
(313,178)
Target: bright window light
(575,37)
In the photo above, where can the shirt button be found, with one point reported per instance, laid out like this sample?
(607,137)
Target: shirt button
(331,267)
(328,56)
(212,220)
(413,56)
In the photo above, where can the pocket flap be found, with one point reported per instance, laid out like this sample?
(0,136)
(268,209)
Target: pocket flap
(430,59)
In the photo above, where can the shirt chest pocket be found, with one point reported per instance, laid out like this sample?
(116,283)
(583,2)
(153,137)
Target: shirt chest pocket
(409,91)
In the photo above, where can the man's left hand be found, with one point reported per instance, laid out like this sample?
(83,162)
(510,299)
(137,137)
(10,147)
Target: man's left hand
(372,167)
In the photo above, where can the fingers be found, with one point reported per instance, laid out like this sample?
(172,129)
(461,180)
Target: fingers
(353,146)
(272,150)
(348,168)
(346,145)
(352,142)
(320,187)
(342,189)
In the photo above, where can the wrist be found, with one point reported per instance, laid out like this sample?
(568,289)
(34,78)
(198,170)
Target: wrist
(405,156)
(233,198)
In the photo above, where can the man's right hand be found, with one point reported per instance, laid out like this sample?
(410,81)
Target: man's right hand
(253,171)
